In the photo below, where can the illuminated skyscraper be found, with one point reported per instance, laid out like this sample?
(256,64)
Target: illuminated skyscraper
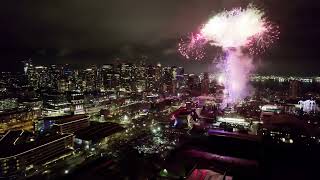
(126,76)
(90,78)
(151,78)
(54,74)
(42,76)
(205,84)
(294,89)
(107,73)
(166,79)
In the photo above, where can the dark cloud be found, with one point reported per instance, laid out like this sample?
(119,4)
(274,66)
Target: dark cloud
(100,23)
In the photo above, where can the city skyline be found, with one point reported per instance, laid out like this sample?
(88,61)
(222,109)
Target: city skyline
(159,89)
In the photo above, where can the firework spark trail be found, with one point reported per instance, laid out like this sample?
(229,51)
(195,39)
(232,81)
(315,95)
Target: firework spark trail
(193,47)
(237,31)
(240,28)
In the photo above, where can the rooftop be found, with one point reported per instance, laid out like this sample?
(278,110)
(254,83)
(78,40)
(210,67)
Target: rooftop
(289,121)
(14,111)
(12,149)
(97,131)
(65,119)
(214,132)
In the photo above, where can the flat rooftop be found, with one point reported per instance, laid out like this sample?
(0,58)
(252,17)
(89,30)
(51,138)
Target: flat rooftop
(97,131)
(15,137)
(221,133)
(14,111)
(65,119)
(11,149)
(284,121)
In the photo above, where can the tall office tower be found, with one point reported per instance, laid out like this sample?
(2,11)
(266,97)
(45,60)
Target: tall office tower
(205,84)
(55,74)
(158,72)
(89,79)
(151,78)
(192,81)
(117,79)
(126,74)
(140,76)
(71,76)
(62,85)
(294,89)
(180,76)
(77,102)
(99,79)
(174,85)
(41,76)
(78,80)
(30,73)
(107,73)
(174,72)
(27,64)
(167,78)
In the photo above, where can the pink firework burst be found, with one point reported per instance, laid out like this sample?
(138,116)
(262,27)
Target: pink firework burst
(241,33)
(261,42)
(192,47)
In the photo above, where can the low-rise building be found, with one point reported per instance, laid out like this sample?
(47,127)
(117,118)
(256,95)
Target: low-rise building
(63,124)
(19,154)
(17,119)
(96,133)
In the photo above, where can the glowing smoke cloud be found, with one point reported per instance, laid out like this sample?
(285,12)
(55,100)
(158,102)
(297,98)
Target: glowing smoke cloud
(237,67)
(236,31)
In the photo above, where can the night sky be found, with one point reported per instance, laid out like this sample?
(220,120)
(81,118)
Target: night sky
(88,32)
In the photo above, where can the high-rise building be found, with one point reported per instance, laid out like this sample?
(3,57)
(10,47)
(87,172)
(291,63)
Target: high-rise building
(30,73)
(140,77)
(192,81)
(63,85)
(174,70)
(295,89)
(90,77)
(167,77)
(108,79)
(174,86)
(71,77)
(175,79)
(126,74)
(42,76)
(77,102)
(55,104)
(55,74)
(151,78)
(205,84)
(158,73)
(180,77)
(37,76)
